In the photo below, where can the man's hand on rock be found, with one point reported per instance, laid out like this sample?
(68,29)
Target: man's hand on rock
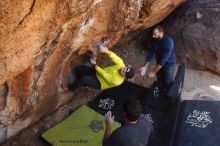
(104,49)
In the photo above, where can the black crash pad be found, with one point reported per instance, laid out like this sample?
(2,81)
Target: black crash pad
(114,98)
(198,124)
(156,109)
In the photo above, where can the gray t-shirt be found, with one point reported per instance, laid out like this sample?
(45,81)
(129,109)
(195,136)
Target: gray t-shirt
(130,134)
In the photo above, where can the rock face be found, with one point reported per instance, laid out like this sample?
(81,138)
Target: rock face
(41,40)
(195,27)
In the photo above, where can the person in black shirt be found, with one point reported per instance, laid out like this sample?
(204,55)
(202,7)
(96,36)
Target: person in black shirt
(134,132)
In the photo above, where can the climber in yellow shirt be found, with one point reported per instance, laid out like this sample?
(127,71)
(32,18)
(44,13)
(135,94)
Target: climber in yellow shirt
(99,78)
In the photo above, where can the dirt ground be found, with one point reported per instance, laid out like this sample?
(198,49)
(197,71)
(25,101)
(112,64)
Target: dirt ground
(198,85)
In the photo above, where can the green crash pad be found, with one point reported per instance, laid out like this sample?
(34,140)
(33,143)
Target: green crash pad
(84,127)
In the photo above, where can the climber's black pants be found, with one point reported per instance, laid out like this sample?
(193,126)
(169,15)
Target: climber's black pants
(85,76)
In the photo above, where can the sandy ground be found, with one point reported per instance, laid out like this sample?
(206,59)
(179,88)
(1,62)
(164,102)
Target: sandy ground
(201,85)
(198,85)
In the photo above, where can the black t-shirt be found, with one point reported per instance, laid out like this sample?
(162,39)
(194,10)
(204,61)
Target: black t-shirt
(130,134)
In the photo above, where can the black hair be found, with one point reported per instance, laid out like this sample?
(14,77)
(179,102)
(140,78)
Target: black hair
(132,109)
(129,73)
(159,28)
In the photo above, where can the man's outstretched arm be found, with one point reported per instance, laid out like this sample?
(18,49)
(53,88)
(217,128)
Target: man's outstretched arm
(115,58)
(110,139)
(109,119)
(149,57)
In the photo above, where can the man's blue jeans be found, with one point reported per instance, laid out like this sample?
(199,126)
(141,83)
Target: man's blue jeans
(165,75)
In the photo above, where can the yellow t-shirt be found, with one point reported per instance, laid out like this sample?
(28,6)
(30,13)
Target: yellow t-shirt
(110,76)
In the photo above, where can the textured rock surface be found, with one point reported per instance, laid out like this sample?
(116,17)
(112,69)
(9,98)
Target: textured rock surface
(195,27)
(39,43)
(197,85)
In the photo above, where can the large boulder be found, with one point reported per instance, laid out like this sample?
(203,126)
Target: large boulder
(41,40)
(195,28)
